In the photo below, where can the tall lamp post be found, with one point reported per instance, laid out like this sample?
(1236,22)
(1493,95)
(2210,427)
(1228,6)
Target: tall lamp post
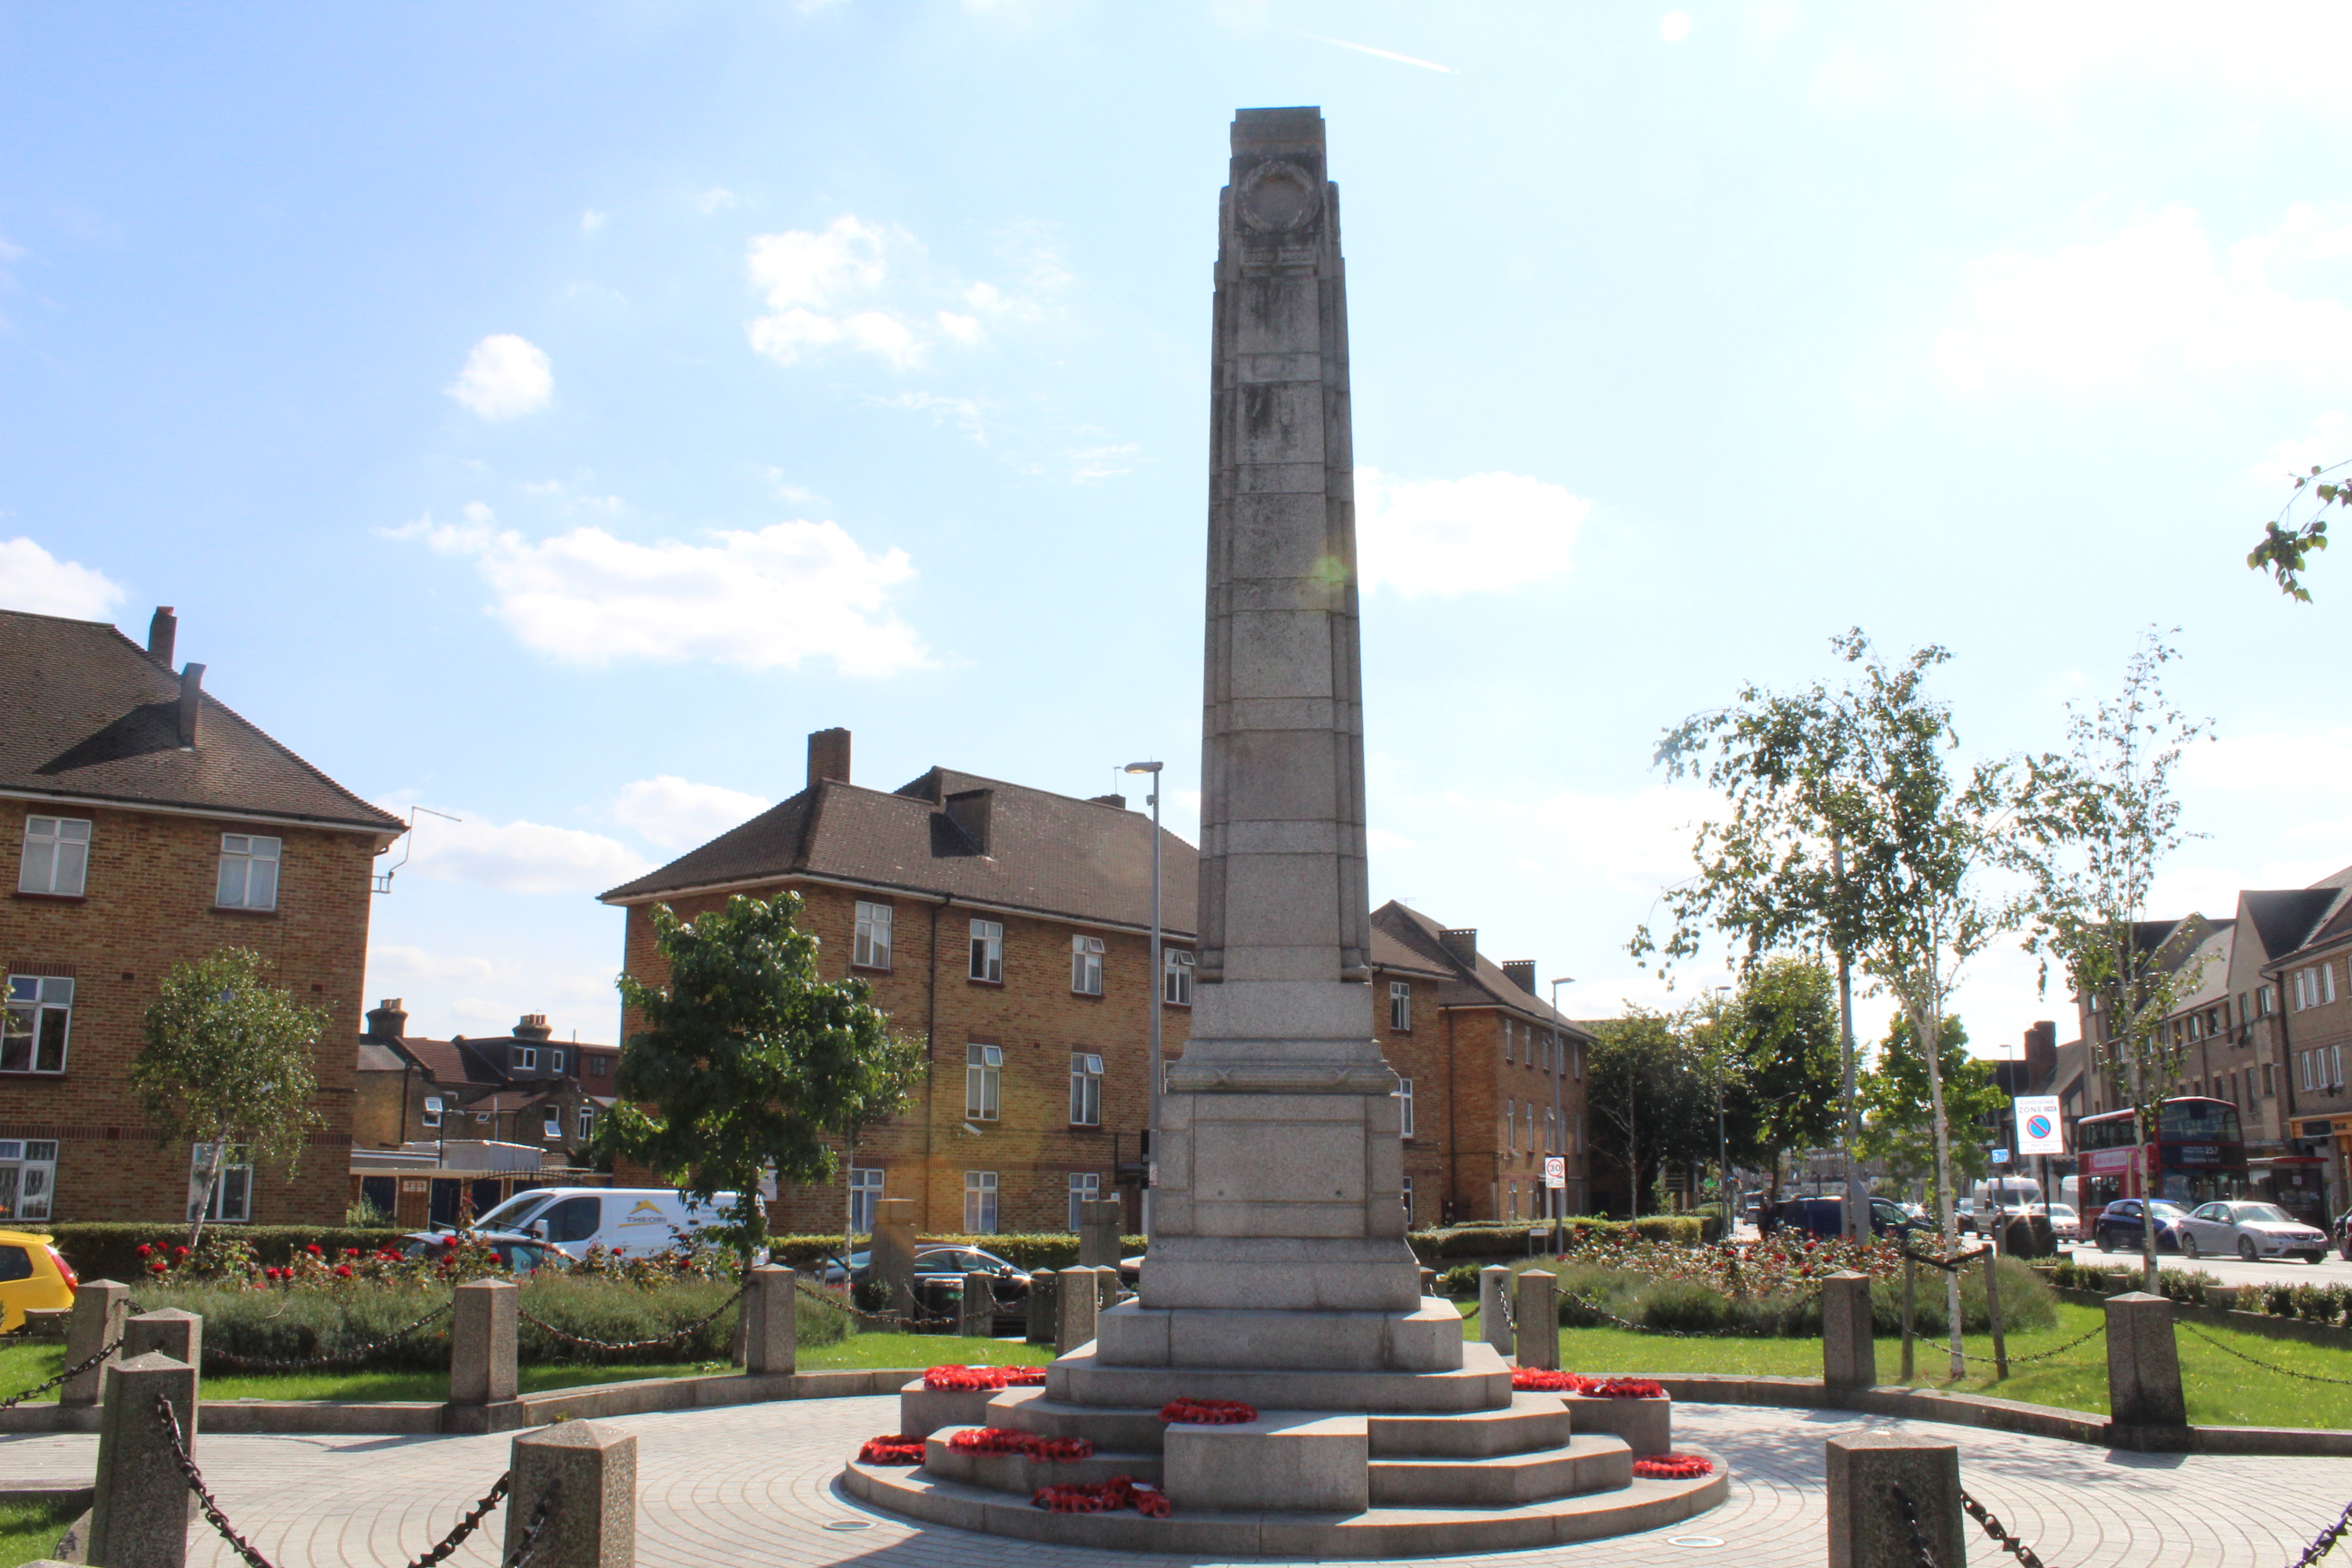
(1723,1183)
(1558,1116)
(1159,996)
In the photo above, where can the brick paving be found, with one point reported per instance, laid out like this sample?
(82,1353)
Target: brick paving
(754,1485)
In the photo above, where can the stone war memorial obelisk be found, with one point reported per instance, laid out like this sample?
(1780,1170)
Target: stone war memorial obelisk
(1278,1276)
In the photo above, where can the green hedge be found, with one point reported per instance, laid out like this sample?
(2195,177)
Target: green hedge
(108,1249)
(1033,1250)
(1510,1240)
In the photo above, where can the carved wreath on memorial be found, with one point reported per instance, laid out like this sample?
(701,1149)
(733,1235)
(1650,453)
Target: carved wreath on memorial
(1279,197)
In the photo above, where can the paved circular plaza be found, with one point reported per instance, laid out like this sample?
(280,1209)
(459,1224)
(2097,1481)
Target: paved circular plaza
(753,1484)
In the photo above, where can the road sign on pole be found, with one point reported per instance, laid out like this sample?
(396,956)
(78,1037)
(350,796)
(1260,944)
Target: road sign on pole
(2038,1130)
(1555,1170)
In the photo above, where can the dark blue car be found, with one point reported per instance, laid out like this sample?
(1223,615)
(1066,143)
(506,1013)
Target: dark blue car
(2118,1226)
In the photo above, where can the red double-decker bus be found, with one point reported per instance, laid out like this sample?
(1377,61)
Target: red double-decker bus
(2198,1156)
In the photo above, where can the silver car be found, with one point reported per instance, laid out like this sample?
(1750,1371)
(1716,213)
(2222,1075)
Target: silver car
(2252,1230)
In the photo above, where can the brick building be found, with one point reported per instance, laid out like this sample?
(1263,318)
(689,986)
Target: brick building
(1008,928)
(525,1087)
(151,825)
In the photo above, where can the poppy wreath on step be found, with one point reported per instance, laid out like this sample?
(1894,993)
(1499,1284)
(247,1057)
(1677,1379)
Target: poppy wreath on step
(1623,1388)
(1103,1497)
(1207,1412)
(982,1379)
(900,1448)
(1006,1440)
(1673,1467)
(1543,1380)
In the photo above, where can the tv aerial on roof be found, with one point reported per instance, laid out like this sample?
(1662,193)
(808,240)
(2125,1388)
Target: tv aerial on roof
(381,881)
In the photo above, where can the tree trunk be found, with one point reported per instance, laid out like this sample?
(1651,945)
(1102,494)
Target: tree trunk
(1926,1027)
(1857,1213)
(1632,1153)
(212,1184)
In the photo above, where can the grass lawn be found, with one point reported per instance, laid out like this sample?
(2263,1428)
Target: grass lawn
(919,1350)
(29,1530)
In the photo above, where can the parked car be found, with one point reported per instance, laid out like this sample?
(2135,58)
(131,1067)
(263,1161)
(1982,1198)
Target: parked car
(2117,1227)
(936,1267)
(33,1278)
(522,1254)
(628,1222)
(2064,1221)
(2252,1230)
(2343,1228)
(1825,1217)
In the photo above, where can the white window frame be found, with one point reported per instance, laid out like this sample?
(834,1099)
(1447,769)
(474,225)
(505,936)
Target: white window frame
(1176,976)
(1404,1106)
(29,1178)
(526,1058)
(1510,1126)
(988,951)
(865,1187)
(33,1001)
(55,861)
(1405,1194)
(431,1113)
(871,949)
(2327,980)
(236,1189)
(555,1061)
(1086,1187)
(1086,964)
(587,1123)
(983,1081)
(1401,1006)
(551,1121)
(242,885)
(979,1194)
(1085,1088)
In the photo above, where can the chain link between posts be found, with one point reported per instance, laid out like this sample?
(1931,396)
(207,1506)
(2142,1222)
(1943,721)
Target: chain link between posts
(676,1336)
(1922,1556)
(341,1357)
(64,1377)
(2267,1366)
(2000,1532)
(884,1319)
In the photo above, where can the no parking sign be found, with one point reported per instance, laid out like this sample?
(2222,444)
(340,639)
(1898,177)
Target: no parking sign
(2038,1132)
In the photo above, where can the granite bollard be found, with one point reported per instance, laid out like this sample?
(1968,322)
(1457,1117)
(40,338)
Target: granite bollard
(770,1318)
(1044,1320)
(1849,1354)
(139,1518)
(1098,1232)
(482,1329)
(594,1520)
(979,1306)
(1493,1318)
(891,1252)
(1077,1305)
(169,1331)
(1534,1307)
(1867,1529)
(2144,1407)
(101,1310)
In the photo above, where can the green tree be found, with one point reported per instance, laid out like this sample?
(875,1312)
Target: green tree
(2102,818)
(1898,1123)
(2287,545)
(1780,1055)
(751,1062)
(227,1066)
(1648,1092)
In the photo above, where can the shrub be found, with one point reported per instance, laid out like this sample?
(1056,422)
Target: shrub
(2025,1301)
(108,1249)
(871,1295)
(1462,1280)
(1030,1249)
(2278,1300)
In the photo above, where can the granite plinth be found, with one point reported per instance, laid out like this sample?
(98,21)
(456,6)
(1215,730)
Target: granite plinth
(1427,1339)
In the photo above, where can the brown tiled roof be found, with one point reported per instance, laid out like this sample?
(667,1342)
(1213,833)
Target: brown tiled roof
(91,716)
(1479,985)
(450,1064)
(1051,854)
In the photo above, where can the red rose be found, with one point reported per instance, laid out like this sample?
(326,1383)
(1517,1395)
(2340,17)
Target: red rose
(145,1250)
(342,1271)
(179,1252)
(313,1250)
(156,1268)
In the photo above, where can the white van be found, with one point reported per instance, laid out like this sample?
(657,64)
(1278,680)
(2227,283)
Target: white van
(629,1222)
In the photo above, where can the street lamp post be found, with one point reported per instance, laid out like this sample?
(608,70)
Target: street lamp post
(1559,1115)
(1159,998)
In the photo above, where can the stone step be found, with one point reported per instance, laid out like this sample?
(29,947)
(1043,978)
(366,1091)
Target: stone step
(1426,1339)
(1135,1431)
(1531,1423)
(1022,1476)
(1504,1481)
(1376,1533)
(1482,1382)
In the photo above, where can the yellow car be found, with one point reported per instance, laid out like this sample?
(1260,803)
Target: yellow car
(32,1277)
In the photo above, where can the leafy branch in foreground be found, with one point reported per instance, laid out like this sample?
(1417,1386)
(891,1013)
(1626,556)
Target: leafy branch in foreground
(2287,547)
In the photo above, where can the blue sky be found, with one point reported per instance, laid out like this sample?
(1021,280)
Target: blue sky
(549,414)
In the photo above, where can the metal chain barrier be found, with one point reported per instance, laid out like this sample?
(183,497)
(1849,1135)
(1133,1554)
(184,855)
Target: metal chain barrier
(529,1545)
(468,1525)
(62,1378)
(1922,1556)
(861,1315)
(2267,1366)
(674,1337)
(2000,1532)
(2325,1542)
(341,1357)
(169,1420)
(2037,1355)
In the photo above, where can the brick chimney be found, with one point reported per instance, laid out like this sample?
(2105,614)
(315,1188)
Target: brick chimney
(2041,1053)
(970,810)
(192,702)
(1118,800)
(162,632)
(828,756)
(1462,946)
(1522,971)
(532,1026)
(387,1021)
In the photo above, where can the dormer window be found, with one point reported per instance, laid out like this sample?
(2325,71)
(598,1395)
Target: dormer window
(526,1058)
(555,1061)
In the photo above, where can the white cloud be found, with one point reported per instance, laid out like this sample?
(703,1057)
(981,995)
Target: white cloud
(1457,536)
(717,199)
(857,286)
(675,814)
(2324,443)
(1674,27)
(1381,841)
(2264,49)
(449,994)
(2156,296)
(503,376)
(33,579)
(786,594)
(518,856)
(592,220)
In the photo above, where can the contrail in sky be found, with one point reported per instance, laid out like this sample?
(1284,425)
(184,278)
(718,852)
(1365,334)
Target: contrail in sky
(1368,49)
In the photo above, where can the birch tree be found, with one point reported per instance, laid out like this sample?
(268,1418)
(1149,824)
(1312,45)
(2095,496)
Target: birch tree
(227,1066)
(2102,818)
(1849,832)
